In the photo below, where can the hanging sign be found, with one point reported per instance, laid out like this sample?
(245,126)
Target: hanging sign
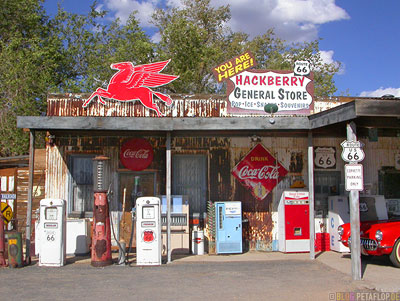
(136,154)
(259,171)
(132,83)
(252,90)
(234,66)
(325,157)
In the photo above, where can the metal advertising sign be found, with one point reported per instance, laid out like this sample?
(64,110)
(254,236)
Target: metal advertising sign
(251,90)
(234,66)
(132,83)
(352,151)
(136,154)
(354,179)
(325,157)
(259,171)
(7,212)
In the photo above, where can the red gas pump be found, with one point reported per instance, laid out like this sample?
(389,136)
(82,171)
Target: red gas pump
(101,231)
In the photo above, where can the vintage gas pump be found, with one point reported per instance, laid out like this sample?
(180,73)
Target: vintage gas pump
(101,231)
(148,231)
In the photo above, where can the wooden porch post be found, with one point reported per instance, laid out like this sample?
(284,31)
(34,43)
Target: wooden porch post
(30,197)
(354,217)
(168,191)
(311,193)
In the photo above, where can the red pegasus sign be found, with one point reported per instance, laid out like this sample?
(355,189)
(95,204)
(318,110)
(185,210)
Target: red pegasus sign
(132,83)
(259,171)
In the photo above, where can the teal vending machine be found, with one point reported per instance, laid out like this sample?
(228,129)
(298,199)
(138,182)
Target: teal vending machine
(228,227)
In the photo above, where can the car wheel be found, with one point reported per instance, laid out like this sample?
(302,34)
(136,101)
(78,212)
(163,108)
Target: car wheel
(395,255)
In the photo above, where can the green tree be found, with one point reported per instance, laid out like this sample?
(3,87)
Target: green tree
(90,46)
(197,39)
(29,57)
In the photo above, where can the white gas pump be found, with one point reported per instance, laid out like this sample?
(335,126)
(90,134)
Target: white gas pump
(148,231)
(52,233)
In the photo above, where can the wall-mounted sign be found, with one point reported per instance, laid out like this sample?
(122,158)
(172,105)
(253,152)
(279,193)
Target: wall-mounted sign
(234,66)
(325,157)
(132,83)
(250,91)
(136,154)
(259,171)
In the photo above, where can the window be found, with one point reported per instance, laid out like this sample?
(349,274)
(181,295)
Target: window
(81,184)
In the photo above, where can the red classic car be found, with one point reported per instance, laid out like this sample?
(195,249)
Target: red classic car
(377,238)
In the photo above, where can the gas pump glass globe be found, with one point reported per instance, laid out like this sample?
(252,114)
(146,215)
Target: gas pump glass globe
(99,175)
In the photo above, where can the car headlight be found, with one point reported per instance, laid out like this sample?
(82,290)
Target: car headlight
(340,230)
(378,235)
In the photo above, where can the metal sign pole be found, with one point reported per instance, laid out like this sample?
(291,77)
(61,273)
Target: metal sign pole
(354,218)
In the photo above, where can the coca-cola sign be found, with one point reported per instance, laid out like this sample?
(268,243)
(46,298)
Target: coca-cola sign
(136,154)
(259,171)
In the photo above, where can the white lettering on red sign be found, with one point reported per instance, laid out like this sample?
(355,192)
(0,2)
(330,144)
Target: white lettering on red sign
(138,154)
(266,172)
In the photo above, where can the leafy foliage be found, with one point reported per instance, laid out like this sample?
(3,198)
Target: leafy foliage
(73,52)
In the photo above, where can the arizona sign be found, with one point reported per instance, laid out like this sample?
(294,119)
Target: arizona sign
(132,83)
(259,171)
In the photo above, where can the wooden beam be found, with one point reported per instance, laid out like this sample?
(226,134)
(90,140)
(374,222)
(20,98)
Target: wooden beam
(381,107)
(161,124)
(338,114)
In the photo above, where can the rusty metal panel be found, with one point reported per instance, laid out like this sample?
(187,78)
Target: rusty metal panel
(182,106)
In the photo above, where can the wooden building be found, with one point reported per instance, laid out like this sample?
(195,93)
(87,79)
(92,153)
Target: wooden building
(205,143)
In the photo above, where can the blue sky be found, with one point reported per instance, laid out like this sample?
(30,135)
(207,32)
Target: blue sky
(364,35)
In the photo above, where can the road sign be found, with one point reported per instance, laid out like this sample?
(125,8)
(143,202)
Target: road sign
(354,178)
(352,151)
(7,212)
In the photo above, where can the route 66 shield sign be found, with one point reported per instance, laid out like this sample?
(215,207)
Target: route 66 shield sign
(325,157)
(352,151)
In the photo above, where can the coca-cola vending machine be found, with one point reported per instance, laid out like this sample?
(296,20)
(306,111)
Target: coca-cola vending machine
(294,221)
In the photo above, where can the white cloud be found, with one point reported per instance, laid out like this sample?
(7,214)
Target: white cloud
(327,58)
(292,20)
(123,8)
(381,91)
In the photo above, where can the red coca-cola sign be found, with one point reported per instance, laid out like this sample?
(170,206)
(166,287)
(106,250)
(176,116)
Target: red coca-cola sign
(136,154)
(259,171)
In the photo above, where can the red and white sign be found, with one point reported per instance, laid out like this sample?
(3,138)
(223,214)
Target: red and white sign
(136,154)
(132,82)
(259,171)
(148,236)
(249,92)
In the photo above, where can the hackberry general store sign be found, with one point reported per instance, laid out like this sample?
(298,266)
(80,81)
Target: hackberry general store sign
(250,91)
(259,171)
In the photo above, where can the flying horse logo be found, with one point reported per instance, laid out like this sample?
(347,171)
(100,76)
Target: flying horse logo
(132,83)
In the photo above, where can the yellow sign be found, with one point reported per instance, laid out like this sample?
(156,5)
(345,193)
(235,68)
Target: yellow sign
(7,212)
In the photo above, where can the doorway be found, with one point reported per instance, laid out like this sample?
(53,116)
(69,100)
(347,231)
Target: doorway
(189,177)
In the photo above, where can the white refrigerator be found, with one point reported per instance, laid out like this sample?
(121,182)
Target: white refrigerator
(338,214)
